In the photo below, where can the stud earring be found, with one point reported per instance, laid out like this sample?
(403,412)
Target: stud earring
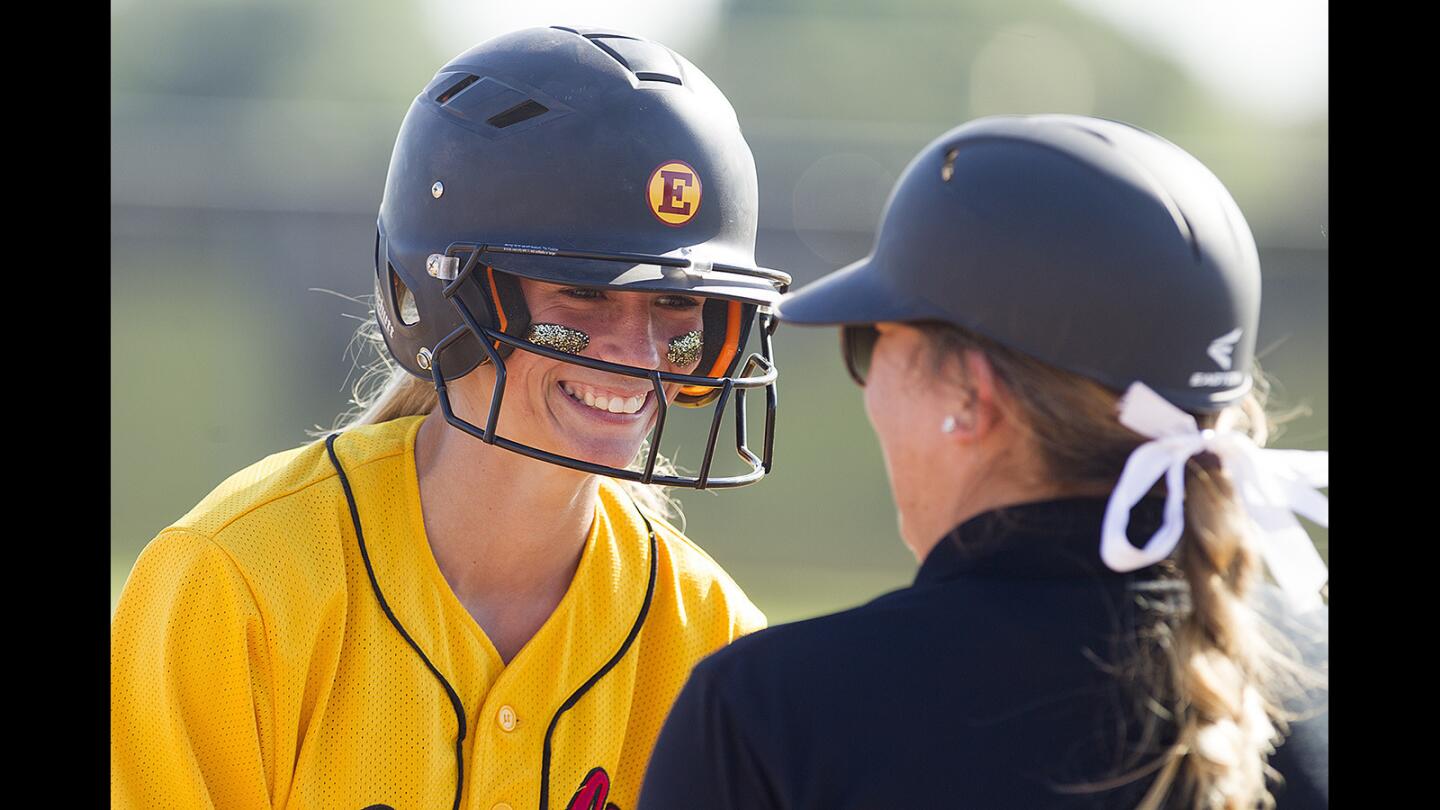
(948,425)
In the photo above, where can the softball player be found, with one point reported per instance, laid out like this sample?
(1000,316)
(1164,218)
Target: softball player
(1055,334)
(417,612)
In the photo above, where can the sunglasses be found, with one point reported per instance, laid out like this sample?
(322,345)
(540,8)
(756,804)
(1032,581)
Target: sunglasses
(857,344)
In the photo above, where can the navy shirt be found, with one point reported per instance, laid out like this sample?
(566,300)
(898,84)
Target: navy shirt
(983,685)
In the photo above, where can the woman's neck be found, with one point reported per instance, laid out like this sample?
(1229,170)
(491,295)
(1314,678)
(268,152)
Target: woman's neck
(1009,472)
(502,526)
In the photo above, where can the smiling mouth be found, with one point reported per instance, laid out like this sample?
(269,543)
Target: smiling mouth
(602,400)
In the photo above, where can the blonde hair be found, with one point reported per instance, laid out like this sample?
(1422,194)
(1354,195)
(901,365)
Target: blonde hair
(385,391)
(1207,674)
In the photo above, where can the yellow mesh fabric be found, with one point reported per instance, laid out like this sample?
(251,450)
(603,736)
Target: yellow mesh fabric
(252,665)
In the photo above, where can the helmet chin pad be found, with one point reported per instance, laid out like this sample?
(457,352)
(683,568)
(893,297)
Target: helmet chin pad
(506,303)
(727,327)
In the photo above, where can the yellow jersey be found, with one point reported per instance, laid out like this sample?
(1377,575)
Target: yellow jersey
(292,643)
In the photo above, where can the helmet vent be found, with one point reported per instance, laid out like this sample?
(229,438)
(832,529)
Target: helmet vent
(404,300)
(524,111)
(455,89)
(649,61)
(490,107)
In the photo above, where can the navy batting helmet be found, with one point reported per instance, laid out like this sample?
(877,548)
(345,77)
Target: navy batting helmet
(581,157)
(1092,245)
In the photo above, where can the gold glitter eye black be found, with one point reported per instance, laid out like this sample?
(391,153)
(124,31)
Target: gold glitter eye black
(684,350)
(557,337)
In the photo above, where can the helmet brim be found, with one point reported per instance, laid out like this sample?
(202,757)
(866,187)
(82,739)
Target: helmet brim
(855,294)
(651,278)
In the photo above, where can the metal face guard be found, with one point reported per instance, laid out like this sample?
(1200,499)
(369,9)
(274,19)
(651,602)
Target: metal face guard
(489,340)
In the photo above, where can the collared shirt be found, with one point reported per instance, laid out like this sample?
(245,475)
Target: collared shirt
(291,642)
(989,683)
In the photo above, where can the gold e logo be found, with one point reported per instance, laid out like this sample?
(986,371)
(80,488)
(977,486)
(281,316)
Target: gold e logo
(673,193)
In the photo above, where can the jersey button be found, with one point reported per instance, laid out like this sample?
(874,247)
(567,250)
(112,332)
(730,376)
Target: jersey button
(507,720)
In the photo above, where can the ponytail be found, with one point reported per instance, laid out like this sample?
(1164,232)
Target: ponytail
(1206,676)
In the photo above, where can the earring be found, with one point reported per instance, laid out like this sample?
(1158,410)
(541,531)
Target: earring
(684,350)
(948,426)
(557,337)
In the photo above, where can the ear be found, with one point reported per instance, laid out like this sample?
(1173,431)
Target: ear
(977,413)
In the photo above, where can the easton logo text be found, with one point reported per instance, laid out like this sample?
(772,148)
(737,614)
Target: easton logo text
(1222,347)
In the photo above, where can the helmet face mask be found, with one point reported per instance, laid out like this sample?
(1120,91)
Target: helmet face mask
(590,159)
(697,390)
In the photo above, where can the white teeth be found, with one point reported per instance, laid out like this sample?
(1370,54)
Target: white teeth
(604,402)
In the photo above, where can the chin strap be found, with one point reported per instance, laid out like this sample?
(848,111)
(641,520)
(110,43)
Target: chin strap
(1272,485)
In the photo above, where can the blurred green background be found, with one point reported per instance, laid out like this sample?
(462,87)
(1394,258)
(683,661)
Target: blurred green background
(250,140)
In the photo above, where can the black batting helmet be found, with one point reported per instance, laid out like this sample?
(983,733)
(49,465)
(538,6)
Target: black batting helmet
(1092,245)
(582,157)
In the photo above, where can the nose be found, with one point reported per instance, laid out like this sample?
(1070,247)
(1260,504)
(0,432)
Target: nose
(632,337)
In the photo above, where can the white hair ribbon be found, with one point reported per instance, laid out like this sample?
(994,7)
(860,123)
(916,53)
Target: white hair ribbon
(1272,484)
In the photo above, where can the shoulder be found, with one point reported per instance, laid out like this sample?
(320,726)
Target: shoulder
(282,521)
(181,566)
(281,479)
(256,488)
(690,581)
(776,671)
(699,581)
(913,644)
(757,718)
